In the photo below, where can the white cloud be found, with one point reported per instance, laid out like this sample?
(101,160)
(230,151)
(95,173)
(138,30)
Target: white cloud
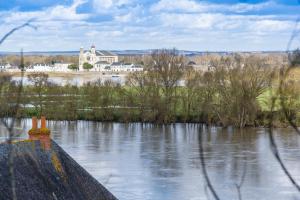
(110,6)
(223,22)
(190,21)
(181,5)
(244,7)
(202,6)
(133,15)
(57,13)
(124,18)
(101,5)
(92,33)
(268,25)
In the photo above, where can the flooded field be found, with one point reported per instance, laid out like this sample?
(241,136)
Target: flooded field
(77,78)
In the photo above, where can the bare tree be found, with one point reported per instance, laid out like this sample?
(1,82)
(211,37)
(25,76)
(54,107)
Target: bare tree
(238,82)
(191,93)
(40,82)
(166,69)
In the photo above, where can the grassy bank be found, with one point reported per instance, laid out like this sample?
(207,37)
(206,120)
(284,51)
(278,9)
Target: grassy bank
(113,103)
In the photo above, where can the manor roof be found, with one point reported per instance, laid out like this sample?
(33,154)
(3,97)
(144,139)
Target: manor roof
(101,62)
(104,53)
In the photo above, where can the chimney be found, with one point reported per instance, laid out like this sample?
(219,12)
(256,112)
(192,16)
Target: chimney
(42,134)
(43,122)
(34,123)
(33,132)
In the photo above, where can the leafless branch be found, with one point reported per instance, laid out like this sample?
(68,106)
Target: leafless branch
(283,75)
(294,35)
(27,24)
(240,184)
(274,147)
(206,192)
(203,165)
(10,126)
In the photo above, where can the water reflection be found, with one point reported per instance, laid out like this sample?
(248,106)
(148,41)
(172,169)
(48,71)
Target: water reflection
(143,161)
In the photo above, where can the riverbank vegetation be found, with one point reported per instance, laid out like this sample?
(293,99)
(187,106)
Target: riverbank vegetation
(237,91)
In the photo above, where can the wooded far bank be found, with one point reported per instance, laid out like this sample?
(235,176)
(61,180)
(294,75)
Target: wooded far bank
(237,92)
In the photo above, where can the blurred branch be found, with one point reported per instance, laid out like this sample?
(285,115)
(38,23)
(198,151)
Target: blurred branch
(240,184)
(274,148)
(294,34)
(203,164)
(206,192)
(27,24)
(10,126)
(283,75)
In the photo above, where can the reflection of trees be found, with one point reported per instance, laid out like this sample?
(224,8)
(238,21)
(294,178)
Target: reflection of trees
(226,151)
(106,136)
(159,146)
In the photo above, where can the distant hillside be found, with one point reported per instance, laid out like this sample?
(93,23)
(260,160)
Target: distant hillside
(43,53)
(135,52)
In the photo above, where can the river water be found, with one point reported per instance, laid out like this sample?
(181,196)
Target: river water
(138,161)
(78,79)
(81,79)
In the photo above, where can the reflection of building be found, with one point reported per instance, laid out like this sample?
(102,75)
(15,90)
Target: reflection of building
(94,56)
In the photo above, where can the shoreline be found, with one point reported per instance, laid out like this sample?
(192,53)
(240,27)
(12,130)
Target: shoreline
(215,125)
(67,74)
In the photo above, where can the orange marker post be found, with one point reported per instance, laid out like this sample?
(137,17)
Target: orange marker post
(34,123)
(43,122)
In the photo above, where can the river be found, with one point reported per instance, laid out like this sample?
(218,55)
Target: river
(80,79)
(77,79)
(138,161)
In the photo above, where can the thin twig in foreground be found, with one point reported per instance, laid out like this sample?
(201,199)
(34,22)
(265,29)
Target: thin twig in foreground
(275,151)
(240,184)
(203,164)
(10,126)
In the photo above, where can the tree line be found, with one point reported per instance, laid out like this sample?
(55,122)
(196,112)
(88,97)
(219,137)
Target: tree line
(236,92)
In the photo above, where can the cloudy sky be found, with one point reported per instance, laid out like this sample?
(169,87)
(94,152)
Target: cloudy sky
(203,25)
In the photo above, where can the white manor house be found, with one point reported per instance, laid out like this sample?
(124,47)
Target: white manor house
(94,56)
(104,61)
